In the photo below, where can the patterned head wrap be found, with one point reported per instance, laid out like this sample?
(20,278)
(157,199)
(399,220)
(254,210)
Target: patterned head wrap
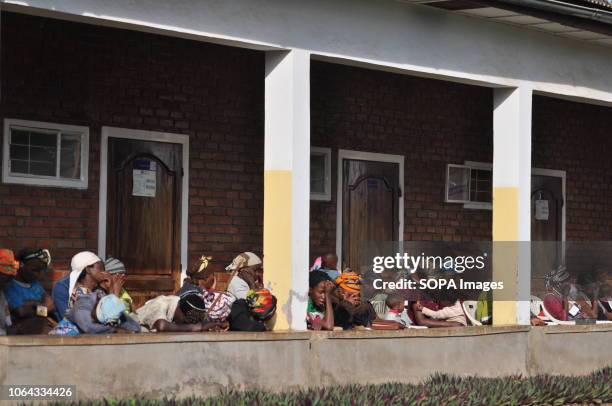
(29,254)
(8,264)
(113,266)
(219,305)
(349,281)
(243,260)
(262,303)
(200,272)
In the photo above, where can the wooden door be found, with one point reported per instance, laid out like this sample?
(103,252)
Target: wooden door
(370,206)
(546,226)
(144,214)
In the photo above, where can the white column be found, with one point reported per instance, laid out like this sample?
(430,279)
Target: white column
(512,202)
(287,184)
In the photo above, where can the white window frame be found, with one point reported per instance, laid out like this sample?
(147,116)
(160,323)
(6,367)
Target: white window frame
(466,203)
(36,180)
(326,195)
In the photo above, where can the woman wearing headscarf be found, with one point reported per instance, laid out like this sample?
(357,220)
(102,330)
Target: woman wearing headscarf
(351,308)
(247,271)
(8,270)
(29,304)
(87,272)
(95,314)
(116,270)
(188,313)
(253,313)
(199,277)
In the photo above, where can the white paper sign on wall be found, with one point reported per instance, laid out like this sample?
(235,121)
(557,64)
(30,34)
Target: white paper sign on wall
(144,178)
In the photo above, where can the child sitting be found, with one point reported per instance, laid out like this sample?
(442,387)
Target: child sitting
(396,310)
(450,310)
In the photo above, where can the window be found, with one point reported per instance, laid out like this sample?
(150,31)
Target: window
(470,184)
(320,173)
(45,154)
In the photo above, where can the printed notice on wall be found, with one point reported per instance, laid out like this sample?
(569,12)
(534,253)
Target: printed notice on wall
(541,210)
(144,179)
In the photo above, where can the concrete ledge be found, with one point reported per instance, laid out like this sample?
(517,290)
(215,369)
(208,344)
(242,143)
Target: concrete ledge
(158,365)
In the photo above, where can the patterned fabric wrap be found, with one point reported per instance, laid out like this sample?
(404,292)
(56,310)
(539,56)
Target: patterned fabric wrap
(8,264)
(218,305)
(65,328)
(349,281)
(262,303)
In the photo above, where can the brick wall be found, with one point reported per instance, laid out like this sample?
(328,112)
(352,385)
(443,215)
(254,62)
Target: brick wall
(431,122)
(87,75)
(575,137)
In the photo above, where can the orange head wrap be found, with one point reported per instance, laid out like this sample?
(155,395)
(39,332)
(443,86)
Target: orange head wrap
(8,264)
(349,281)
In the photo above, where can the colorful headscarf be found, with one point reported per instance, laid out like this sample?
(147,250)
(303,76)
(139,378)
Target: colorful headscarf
(110,309)
(349,281)
(8,264)
(243,260)
(29,254)
(262,303)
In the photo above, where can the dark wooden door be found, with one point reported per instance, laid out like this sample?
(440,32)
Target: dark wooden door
(370,206)
(546,226)
(144,214)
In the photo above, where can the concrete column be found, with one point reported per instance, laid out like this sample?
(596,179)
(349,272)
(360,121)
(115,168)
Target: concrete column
(512,203)
(286,184)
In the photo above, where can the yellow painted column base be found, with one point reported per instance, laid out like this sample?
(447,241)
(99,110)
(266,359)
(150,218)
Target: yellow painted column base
(505,253)
(277,241)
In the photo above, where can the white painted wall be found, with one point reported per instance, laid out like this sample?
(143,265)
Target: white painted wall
(381,32)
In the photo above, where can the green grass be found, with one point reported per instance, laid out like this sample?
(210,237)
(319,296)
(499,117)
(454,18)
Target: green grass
(437,390)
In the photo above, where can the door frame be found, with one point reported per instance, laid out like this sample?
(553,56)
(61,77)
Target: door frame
(366,156)
(143,135)
(554,173)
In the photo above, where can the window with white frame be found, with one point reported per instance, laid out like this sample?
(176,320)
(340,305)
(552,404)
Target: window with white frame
(320,173)
(470,184)
(45,154)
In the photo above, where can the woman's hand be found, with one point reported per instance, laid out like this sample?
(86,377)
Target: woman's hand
(116,284)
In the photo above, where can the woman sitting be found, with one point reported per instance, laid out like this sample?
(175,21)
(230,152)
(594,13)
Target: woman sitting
(255,313)
(187,313)
(95,313)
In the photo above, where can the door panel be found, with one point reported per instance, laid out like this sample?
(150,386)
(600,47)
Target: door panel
(144,221)
(370,206)
(546,231)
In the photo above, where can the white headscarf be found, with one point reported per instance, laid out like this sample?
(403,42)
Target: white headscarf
(243,260)
(78,264)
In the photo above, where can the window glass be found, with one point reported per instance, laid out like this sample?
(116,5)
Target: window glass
(70,156)
(33,152)
(458,183)
(317,173)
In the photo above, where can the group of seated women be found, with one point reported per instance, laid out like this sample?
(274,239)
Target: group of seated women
(92,299)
